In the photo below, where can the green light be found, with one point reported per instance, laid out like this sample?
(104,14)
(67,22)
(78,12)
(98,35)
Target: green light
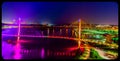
(116,39)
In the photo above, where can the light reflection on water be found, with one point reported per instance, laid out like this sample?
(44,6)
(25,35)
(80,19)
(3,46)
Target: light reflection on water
(42,53)
(17,49)
(7,50)
(38,49)
(31,48)
(10,51)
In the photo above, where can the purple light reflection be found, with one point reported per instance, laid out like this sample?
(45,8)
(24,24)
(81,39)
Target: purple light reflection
(7,50)
(17,50)
(42,53)
(17,47)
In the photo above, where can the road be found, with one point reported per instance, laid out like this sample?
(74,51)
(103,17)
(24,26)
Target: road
(101,53)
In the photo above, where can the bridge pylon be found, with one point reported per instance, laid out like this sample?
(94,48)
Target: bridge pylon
(79,37)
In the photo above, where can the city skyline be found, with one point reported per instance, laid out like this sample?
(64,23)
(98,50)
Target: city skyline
(61,12)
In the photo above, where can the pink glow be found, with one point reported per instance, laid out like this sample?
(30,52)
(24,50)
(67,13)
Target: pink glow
(17,52)
(18,30)
(24,41)
(17,47)
(42,53)
(75,48)
(72,48)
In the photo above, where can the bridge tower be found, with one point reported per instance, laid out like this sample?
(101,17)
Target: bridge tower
(19,21)
(17,47)
(79,37)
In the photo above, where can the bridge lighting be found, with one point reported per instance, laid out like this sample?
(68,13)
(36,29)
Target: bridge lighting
(14,20)
(49,24)
(19,18)
(79,20)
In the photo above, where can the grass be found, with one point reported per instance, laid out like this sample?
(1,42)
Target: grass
(94,55)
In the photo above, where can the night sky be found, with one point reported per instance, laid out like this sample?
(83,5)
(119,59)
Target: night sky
(61,12)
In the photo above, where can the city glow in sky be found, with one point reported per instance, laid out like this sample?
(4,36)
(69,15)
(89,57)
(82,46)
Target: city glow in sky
(61,12)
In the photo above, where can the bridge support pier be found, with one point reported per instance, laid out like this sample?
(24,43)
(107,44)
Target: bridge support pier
(72,33)
(60,31)
(42,33)
(66,32)
(48,31)
(53,32)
